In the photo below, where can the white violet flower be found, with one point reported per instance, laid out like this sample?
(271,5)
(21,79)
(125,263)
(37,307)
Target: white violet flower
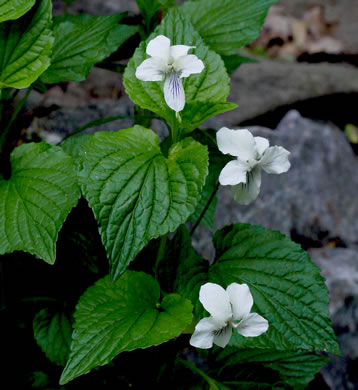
(253,154)
(229,310)
(171,63)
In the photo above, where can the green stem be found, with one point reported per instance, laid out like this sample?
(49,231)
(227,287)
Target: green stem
(101,121)
(15,93)
(7,143)
(111,66)
(175,128)
(161,253)
(205,209)
(18,108)
(191,366)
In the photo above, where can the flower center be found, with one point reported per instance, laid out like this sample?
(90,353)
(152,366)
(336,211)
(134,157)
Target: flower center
(251,163)
(219,332)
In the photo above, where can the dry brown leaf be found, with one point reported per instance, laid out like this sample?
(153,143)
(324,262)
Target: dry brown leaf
(283,35)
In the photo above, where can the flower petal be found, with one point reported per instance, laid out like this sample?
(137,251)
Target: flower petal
(261,145)
(234,172)
(159,47)
(252,325)
(239,143)
(174,92)
(217,302)
(223,336)
(241,300)
(152,69)
(188,65)
(177,51)
(275,160)
(203,335)
(246,193)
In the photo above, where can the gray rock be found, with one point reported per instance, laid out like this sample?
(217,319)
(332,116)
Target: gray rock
(96,7)
(316,198)
(66,119)
(101,95)
(337,374)
(268,85)
(340,268)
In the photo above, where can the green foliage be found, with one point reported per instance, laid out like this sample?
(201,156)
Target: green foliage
(213,384)
(139,191)
(351,132)
(39,380)
(217,161)
(287,287)
(206,197)
(227,25)
(149,9)
(135,192)
(52,332)
(191,270)
(36,200)
(197,112)
(39,86)
(80,42)
(72,145)
(112,317)
(26,47)
(205,92)
(296,369)
(234,61)
(13,9)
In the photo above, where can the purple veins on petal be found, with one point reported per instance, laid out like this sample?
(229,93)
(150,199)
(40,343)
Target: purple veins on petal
(174,92)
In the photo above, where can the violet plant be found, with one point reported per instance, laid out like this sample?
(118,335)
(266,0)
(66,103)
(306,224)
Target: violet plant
(139,307)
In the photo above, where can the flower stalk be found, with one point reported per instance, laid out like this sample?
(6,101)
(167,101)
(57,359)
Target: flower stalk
(160,254)
(197,223)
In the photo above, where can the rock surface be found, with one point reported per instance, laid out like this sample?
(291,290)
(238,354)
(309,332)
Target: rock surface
(63,121)
(268,85)
(104,7)
(257,88)
(340,269)
(316,198)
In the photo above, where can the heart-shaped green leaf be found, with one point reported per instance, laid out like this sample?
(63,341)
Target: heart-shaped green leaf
(287,287)
(36,200)
(227,25)
(26,46)
(137,193)
(297,369)
(13,9)
(52,332)
(80,42)
(112,317)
